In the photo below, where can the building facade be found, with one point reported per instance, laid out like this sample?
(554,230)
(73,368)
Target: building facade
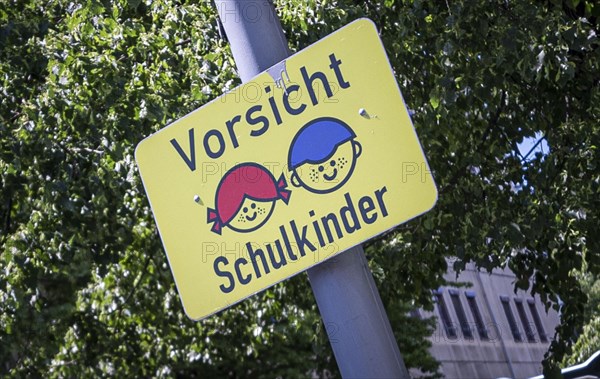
(486,330)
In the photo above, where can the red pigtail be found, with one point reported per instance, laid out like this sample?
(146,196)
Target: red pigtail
(284,194)
(213,216)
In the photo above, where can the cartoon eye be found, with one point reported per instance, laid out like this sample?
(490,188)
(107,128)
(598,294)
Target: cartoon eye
(245,209)
(321,168)
(332,163)
(253,205)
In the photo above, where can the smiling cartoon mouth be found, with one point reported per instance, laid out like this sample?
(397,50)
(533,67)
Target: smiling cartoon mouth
(251,218)
(332,176)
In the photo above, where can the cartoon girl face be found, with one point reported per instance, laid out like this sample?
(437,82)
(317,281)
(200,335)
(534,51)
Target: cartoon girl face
(245,198)
(252,215)
(331,173)
(323,155)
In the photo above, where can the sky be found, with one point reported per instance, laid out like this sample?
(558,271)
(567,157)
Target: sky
(529,143)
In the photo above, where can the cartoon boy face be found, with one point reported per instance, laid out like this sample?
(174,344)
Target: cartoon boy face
(252,215)
(323,155)
(331,173)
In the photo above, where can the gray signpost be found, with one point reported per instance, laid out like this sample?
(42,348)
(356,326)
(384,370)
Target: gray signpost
(358,327)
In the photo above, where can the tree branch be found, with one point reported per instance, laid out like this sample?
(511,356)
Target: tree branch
(533,148)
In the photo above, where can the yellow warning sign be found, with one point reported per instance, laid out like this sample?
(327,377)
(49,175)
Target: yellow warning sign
(273,178)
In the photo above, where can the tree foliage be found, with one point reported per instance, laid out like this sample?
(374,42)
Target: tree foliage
(85,289)
(588,342)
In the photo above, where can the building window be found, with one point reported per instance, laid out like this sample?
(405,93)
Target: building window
(516,333)
(444,315)
(525,321)
(414,313)
(537,321)
(460,313)
(481,329)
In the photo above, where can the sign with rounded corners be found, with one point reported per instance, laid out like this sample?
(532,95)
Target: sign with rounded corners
(285,171)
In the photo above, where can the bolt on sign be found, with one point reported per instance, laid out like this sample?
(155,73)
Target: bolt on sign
(311,157)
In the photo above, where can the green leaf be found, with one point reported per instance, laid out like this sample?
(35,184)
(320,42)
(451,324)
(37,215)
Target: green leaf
(434,101)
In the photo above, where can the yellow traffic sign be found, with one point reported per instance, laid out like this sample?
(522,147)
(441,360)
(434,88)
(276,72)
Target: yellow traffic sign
(279,175)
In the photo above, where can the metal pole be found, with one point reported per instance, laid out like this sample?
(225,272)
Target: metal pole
(358,327)
(254,33)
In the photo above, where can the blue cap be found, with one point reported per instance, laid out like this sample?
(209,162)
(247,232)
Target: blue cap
(318,140)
